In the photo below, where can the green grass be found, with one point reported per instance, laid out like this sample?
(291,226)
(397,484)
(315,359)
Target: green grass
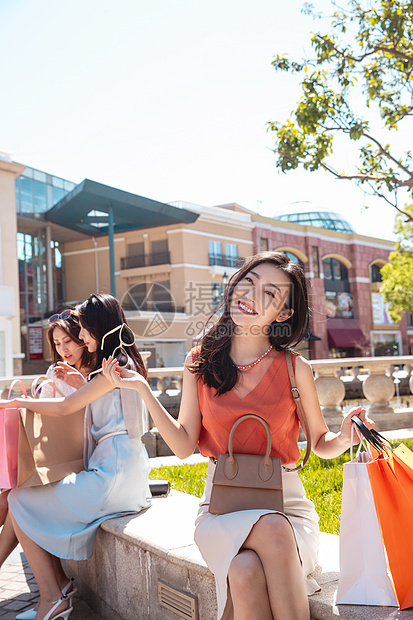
(322,479)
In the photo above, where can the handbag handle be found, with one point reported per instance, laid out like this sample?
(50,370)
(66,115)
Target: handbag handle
(266,469)
(300,411)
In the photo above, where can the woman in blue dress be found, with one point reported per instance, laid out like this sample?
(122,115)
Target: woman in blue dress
(60,520)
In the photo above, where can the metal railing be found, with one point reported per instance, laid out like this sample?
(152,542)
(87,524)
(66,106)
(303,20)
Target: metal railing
(225,261)
(145,260)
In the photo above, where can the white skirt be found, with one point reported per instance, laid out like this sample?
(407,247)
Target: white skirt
(220,537)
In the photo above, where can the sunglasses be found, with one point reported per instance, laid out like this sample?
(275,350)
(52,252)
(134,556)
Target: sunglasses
(124,332)
(63,315)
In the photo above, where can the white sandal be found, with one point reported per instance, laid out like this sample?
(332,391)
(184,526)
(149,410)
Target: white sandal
(63,614)
(30,614)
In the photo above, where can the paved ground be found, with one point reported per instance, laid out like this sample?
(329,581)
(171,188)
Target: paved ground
(18,590)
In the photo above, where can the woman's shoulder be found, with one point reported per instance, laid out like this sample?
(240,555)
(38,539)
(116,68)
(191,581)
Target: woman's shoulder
(300,364)
(193,355)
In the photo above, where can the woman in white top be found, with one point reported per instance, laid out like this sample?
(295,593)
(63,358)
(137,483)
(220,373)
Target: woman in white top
(71,363)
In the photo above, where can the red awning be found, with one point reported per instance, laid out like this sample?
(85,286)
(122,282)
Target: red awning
(345,338)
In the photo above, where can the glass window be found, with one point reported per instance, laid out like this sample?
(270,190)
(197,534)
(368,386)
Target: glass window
(337,271)
(26,195)
(17,188)
(231,254)
(59,183)
(39,176)
(28,247)
(215,253)
(20,246)
(375,273)
(40,203)
(57,194)
(57,255)
(160,246)
(264,246)
(135,249)
(160,292)
(136,297)
(292,257)
(328,274)
(334,270)
(386,343)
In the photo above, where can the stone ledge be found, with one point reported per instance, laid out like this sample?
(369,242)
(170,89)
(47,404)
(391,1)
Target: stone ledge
(132,553)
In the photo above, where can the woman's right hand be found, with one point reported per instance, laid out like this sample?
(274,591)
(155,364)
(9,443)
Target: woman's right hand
(122,377)
(69,375)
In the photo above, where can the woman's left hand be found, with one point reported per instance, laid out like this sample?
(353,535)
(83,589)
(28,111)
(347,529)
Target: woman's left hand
(12,404)
(346,424)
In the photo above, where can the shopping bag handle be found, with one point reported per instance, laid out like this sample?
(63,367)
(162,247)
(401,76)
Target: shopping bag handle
(35,389)
(374,438)
(23,387)
(362,444)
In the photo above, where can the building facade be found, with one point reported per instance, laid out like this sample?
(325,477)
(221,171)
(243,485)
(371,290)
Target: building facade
(348,315)
(170,278)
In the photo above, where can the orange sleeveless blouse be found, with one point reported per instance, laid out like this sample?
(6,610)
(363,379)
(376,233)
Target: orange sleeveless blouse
(271,399)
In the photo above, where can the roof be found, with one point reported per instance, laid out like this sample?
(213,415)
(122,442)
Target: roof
(86,210)
(320,219)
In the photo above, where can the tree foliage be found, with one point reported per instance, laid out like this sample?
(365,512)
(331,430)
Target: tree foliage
(362,70)
(397,286)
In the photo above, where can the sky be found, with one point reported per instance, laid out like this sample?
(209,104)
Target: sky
(169,99)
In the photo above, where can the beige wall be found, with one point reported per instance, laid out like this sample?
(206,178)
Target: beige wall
(188,269)
(9,275)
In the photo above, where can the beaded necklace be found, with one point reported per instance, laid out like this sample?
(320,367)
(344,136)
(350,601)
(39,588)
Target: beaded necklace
(257,361)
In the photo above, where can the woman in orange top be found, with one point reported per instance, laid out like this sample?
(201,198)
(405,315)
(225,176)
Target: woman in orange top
(261,559)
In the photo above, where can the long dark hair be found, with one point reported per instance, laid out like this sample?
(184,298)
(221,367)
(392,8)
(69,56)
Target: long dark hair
(99,314)
(71,327)
(214,365)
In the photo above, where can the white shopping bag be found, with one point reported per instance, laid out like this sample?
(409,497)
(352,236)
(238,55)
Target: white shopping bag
(363,570)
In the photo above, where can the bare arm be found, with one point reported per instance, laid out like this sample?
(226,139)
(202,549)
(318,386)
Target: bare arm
(181,435)
(324,443)
(57,407)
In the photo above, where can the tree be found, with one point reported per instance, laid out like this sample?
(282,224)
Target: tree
(362,70)
(397,286)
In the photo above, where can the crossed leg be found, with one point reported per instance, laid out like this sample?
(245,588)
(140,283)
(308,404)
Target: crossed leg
(8,540)
(43,565)
(266,578)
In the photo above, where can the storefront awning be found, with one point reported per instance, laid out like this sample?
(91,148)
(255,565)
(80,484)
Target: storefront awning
(345,338)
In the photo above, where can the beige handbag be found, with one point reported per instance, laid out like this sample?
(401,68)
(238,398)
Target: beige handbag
(251,481)
(50,448)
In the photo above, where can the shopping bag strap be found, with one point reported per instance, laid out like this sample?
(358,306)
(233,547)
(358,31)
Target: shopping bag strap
(23,387)
(35,389)
(300,411)
(363,444)
(380,443)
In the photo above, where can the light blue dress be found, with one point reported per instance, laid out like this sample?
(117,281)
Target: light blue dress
(63,517)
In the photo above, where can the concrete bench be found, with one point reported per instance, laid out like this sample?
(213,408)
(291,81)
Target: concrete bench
(140,560)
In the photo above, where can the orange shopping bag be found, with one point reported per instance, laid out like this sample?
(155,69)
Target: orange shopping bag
(391,480)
